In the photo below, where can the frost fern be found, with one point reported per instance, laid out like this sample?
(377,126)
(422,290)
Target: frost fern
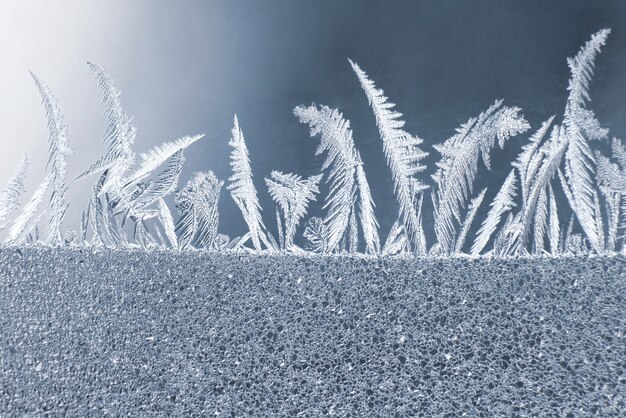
(403,154)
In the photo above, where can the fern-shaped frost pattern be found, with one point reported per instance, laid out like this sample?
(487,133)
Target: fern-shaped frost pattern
(58,150)
(459,164)
(197,204)
(293,195)
(242,187)
(403,154)
(342,160)
(580,126)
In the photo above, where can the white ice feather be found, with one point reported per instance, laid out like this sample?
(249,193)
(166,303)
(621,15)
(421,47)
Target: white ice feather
(163,184)
(317,235)
(151,160)
(58,150)
(242,188)
(119,136)
(540,222)
(529,159)
(346,190)
(459,164)
(403,156)
(579,159)
(367,217)
(469,218)
(502,203)
(552,152)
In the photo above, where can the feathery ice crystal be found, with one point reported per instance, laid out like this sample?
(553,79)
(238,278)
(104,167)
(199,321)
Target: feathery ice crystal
(558,159)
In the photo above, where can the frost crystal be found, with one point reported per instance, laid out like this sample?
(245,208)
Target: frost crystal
(10,196)
(197,204)
(403,157)
(243,191)
(502,203)
(349,190)
(59,149)
(579,158)
(293,195)
(459,164)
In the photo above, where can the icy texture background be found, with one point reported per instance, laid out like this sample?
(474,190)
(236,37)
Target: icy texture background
(161,333)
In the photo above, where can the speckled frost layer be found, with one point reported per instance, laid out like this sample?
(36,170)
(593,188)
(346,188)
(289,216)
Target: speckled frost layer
(163,333)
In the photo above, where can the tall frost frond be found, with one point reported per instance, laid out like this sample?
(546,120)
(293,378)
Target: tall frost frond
(580,126)
(113,230)
(502,203)
(581,68)
(207,213)
(120,133)
(529,159)
(27,219)
(459,164)
(469,218)
(100,236)
(143,235)
(317,235)
(293,195)
(551,155)
(281,233)
(507,241)
(242,187)
(336,140)
(613,207)
(342,160)
(187,225)
(197,204)
(10,196)
(403,154)
(58,150)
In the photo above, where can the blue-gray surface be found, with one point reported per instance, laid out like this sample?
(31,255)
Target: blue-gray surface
(132,333)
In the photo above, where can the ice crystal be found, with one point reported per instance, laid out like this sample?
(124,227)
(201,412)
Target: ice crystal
(561,158)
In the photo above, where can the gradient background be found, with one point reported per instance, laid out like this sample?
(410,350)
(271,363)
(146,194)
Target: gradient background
(186,67)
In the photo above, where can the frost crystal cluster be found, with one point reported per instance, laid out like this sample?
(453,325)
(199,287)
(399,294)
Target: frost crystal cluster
(561,161)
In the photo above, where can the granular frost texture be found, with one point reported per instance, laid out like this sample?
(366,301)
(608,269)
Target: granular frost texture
(156,334)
